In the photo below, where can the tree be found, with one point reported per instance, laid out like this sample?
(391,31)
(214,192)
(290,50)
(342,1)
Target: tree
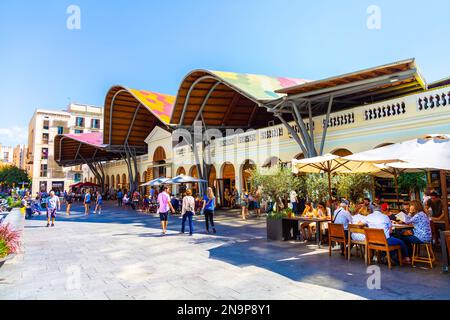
(353,186)
(316,187)
(412,183)
(13,176)
(276,184)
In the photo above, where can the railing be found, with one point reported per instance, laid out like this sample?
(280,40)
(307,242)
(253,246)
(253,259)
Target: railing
(388,110)
(433,99)
(340,120)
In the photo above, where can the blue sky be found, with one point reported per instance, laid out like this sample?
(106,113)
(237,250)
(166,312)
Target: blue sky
(153,44)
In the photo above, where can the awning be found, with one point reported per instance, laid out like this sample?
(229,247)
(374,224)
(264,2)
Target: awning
(76,149)
(130,115)
(227,98)
(359,88)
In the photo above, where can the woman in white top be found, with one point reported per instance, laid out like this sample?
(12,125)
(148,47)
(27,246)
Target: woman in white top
(187,211)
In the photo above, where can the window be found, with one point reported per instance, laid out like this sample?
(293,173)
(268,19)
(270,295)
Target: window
(6,156)
(79,122)
(46,125)
(44,155)
(60,130)
(45,137)
(78,131)
(43,170)
(95,123)
(77,177)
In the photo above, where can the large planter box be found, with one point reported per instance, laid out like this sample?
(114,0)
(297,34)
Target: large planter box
(275,229)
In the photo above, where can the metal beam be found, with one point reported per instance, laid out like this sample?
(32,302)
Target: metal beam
(132,123)
(325,128)
(188,96)
(301,123)
(230,107)
(402,74)
(293,133)
(111,108)
(205,101)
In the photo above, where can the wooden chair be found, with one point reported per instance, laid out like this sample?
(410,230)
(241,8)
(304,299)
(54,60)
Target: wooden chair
(430,258)
(355,228)
(376,240)
(336,234)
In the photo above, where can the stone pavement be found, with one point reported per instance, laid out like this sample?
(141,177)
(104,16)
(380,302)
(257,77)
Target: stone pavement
(122,255)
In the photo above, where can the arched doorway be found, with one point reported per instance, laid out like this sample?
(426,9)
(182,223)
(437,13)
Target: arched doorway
(212,179)
(107,183)
(159,161)
(113,182)
(342,152)
(246,173)
(181,170)
(124,182)
(193,172)
(118,182)
(226,184)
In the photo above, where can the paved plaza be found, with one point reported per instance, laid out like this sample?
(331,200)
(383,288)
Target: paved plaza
(122,255)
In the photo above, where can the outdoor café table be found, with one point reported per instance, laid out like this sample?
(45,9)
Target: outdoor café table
(318,221)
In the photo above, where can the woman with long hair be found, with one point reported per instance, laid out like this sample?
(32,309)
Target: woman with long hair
(421,222)
(187,211)
(87,202)
(209,204)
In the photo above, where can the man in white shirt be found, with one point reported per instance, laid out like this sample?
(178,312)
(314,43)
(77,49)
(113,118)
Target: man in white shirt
(294,201)
(378,220)
(343,216)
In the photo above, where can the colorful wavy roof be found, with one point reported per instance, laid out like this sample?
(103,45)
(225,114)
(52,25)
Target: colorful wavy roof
(94,139)
(261,87)
(161,105)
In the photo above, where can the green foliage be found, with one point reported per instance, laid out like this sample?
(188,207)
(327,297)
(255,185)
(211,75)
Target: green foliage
(13,176)
(352,186)
(317,187)
(412,182)
(280,215)
(4,251)
(276,184)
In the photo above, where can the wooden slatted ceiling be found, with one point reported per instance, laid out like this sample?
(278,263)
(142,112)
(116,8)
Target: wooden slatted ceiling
(351,77)
(125,104)
(226,106)
(69,149)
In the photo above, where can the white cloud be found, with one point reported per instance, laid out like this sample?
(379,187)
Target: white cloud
(13,136)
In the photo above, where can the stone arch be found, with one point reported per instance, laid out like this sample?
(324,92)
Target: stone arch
(181,170)
(246,170)
(159,160)
(342,152)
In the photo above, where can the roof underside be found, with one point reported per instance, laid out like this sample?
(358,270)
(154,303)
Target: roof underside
(234,102)
(76,149)
(360,88)
(135,113)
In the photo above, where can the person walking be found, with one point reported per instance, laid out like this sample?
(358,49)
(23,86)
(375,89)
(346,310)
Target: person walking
(98,203)
(52,204)
(209,204)
(187,211)
(69,197)
(119,198)
(164,207)
(87,202)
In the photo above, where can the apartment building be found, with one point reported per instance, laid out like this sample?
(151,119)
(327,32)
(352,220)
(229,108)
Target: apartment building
(44,126)
(19,156)
(6,154)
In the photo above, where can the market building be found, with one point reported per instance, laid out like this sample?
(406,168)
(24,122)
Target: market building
(260,121)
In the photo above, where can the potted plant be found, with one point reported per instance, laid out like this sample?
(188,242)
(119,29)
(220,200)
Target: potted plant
(275,185)
(9,242)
